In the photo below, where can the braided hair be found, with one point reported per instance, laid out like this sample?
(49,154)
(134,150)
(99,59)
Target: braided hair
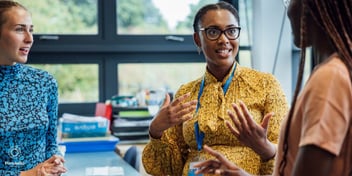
(335,18)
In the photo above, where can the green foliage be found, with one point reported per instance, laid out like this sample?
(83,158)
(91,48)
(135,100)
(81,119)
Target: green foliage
(78,82)
(188,22)
(63,16)
(135,17)
(81,17)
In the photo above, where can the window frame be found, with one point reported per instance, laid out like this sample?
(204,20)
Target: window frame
(107,40)
(107,49)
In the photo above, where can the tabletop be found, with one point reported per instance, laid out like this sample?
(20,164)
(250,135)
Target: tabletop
(104,163)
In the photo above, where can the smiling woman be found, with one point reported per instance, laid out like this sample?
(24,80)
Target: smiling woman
(200,109)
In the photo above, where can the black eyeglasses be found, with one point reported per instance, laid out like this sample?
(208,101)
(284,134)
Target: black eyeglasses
(213,33)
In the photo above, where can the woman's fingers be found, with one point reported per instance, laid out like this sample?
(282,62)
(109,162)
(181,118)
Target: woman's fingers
(182,109)
(49,169)
(166,101)
(179,112)
(180,99)
(247,116)
(55,158)
(53,165)
(237,119)
(266,119)
(220,166)
(232,129)
(172,114)
(223,160)
(208,166)
(187,109)
(244,121)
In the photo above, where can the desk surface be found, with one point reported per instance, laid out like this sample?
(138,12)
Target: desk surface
(97,164)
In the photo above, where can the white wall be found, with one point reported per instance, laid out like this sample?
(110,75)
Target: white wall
(268,17)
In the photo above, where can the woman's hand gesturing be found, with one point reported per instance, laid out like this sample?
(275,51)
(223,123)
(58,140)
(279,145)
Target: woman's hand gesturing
(250,133)
(219,166)
(171,114)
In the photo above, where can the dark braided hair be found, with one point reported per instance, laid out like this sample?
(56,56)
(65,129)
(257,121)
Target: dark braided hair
(335,18)
(218,6)
(6,5)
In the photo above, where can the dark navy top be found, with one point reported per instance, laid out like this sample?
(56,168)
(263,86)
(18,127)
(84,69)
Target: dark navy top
(28,118)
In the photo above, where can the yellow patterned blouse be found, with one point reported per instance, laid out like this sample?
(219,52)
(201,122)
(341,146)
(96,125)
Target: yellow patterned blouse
(262,94)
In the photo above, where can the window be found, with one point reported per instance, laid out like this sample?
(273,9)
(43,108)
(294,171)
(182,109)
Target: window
(244,58)
(77,82)
(308,66)
(155,17)
(106,52)
(137,77)
(69,17)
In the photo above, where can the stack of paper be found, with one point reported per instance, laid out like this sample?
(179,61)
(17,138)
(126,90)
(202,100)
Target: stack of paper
(73,126)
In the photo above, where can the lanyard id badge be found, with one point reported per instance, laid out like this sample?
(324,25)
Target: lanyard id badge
(192,170)
(199,134)
(199,139)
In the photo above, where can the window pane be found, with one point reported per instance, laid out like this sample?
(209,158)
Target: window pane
(64,16)
(157,16)
(307,65)
(245,58)
(245,12)
(134,78)
(77,82)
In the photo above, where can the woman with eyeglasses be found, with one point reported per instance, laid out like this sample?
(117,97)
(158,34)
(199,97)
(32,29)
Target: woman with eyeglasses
(199,113)
(316,137)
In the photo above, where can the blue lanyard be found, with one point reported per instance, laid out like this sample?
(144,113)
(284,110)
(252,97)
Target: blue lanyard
(198,133)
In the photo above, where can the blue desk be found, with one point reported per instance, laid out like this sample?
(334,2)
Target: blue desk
(77,163)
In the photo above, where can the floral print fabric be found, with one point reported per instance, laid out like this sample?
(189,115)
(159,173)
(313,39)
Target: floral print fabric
(28,118)
(262,94)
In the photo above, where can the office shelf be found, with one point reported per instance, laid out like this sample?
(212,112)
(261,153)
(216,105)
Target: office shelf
(131,123)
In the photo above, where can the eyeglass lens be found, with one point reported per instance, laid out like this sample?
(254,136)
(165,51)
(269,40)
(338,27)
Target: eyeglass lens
(230,33)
